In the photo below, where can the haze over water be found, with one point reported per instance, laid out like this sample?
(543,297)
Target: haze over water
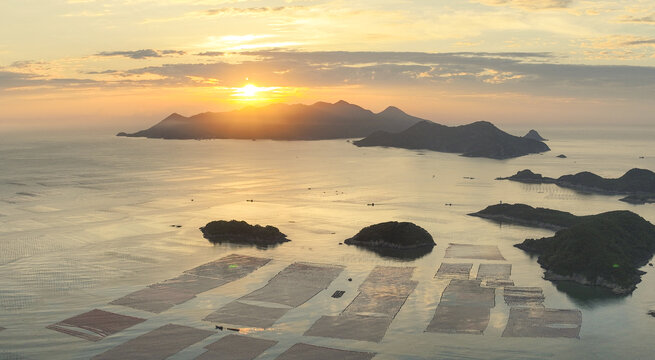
(87,219)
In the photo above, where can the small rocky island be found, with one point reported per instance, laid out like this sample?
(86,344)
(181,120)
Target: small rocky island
(397,240)
(240,232)
(603,250)
(393,234)
(638,184)
(479,139)
(534,135)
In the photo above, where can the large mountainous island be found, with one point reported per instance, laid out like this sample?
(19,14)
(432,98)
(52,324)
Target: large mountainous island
(391,127)
(638,184)
(605,249)
(479,139)
(281,122)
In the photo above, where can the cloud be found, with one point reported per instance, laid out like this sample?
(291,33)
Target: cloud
(211,53)
(26,64)
(529,4)
(10,80)
(526,73)
(650,19)
(88,14)
(141,54)
(617,47)
(104,72)
(240,11)
(227,11)
(641,42)
(460,72)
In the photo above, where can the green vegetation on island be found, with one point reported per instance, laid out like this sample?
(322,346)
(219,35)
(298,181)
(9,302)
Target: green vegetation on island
(639,184)
(604,250)
(241,232)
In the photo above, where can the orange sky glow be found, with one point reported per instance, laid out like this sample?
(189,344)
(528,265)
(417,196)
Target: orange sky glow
(125,64)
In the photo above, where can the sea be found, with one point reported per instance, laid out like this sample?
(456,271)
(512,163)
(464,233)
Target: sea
(88,218)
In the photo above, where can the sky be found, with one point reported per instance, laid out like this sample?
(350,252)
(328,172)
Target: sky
(125,64)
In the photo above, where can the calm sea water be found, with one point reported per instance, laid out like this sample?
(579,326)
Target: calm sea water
(86,219)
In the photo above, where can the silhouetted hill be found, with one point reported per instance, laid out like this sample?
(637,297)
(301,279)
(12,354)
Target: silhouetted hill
(605,249)
(479,139)
(534,135)
(638,183)
(281,122)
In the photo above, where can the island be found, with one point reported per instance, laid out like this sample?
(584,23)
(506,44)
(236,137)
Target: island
(240,232)
(400,240)
(526,215)
(639,184)
(534,135)
(281,122)
(605,249)
(478,139)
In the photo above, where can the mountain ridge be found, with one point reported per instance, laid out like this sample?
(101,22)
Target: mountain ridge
(318,121)
(478,139)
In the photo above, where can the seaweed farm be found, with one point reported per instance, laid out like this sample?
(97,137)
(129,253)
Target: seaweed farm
(464,308)
(101,255)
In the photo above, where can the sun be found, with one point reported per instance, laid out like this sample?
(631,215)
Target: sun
(250,91)
(253,94)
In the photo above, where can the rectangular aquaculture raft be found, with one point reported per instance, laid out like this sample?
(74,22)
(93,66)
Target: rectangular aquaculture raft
(465,307)
(524,296)
(160,297)
(158,344)
(11,356)
(306,351)
(370,314)
(469,251)
(540,322)
(454,271)
(290,288)
(95,325)
(236,347)
(494,271)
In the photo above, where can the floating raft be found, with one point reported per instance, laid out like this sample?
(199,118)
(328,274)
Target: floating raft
(157,344)
(469,251)
(370,314)
(540,322)
(454,271)
(290,288)
(236,347)
(306,351)
(465,307)
(524,296)
(494,272)
(162,296)
(95,325)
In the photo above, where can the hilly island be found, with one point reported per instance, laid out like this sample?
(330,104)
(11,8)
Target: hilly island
(638,184)
(605,249)
(391,127)
(281,122)
(478,139)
